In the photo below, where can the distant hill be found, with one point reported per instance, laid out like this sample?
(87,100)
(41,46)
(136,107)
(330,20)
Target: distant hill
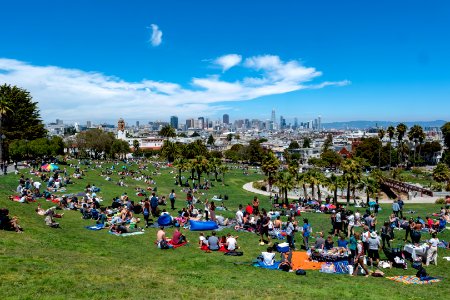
(384,124)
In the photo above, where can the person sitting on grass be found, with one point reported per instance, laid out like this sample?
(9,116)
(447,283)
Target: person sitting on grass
(160,235)
(8,223)
(213,242)
(178,238)
(268,258)
(231,243)
(329,243)
(202,241)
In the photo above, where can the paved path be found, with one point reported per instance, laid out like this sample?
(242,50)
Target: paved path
(429,200)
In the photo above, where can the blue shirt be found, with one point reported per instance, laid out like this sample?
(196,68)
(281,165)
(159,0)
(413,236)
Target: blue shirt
(306,230)
(342,243)
(154,202)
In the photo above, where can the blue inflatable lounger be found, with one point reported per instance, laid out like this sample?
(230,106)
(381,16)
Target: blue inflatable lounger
(202,225)
(165,220)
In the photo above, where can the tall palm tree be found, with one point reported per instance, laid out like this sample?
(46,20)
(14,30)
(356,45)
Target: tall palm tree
(302,179)
(381,134)
(182,164)
(223,170)
(352,174)
(285,182)
(401,131)
(332,183)
(170,151)
(314,178)
(215,165)
(167,132)
(369,185)
(391,134)
(414,134)
(269,166)
(199,164)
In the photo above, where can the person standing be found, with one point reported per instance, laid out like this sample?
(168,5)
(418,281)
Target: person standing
(432,253)
(154,204)
(400,206)
(351,224)
(359,259)
(290,232)
(306,233)
(172,197)
(395,208)
(240,217)
(374,247)
(255,204)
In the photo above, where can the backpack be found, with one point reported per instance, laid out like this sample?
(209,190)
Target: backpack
(163,244)
(300,272)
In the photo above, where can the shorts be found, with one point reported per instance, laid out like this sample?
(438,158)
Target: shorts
(374,254)
(338,225)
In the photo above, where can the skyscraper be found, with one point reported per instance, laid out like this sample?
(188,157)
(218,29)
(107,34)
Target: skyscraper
(174,122)
(319,123)
(273,119)
(226,119)
(137,124)
(201,122)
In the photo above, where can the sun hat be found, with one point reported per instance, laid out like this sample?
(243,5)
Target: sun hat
(373,234)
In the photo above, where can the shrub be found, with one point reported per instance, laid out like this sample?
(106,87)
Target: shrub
(440,201)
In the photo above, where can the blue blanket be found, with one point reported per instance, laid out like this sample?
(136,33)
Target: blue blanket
(95,227)
(261,264)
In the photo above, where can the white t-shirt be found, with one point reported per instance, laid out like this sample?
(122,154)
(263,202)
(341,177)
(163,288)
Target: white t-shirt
(37,184)
(434,242)
(351,220)
(268,258)
(338,217)
(239,217)
(231,241)
(203,240)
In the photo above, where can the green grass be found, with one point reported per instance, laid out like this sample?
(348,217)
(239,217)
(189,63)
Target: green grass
(74,263)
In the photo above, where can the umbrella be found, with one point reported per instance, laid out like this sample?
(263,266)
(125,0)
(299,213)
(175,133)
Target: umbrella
(331,206)
(49,167)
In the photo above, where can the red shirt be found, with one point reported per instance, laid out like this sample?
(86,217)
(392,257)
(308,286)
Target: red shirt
(249,209)
(176,237)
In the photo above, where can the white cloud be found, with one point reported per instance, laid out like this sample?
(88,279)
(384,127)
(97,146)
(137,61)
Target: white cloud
(77,95)
(156,38)
(228,61)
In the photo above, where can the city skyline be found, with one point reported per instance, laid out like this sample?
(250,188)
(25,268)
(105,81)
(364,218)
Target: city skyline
(342,61)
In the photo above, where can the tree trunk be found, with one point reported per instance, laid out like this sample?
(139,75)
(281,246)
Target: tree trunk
(354,195)
(223,178)
(319,194)
(312,191)
(348,193)
(368,196)
(192,173)
(305,192)
(335,196)
(215,175)
(199,175)
(286,200)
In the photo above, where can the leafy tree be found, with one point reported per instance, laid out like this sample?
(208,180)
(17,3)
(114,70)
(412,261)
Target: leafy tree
(120,148)
(294,145)
(306,142)
(315,178)
(333,183)
(137,149)
(414,134)
(369,185)
(368,149)
(211,140)
(223,170)
(331,159)
(229,137)
(429,150)
(199,164)
(182,164)
(391,133)
(446,133)
(195,134)
(328,143)
(167,131)
(215,163)
(381,134)
(254,151)
(441,173)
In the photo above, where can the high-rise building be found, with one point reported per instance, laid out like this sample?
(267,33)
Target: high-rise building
(88,124)
(319,123)
(190,123)
(273,119)
(59,122)
(137,124)
(282,122)
(174,122)
(295,123)
(201,122)
(226,119)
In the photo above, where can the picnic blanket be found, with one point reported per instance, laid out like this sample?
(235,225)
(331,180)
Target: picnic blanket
(261,264)
(411,279)
(95,227)
(300,260)
(178,245)
(126,234)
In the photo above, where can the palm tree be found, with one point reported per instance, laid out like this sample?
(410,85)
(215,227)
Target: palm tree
(401,131)
(270,165)
(215,165)
(167,132)
(182,164)
(285,182)
(332,183)
(369,185)
(391,134)
(302,180)
(314,178)
(414,134)
(381,134)
(170,151)
(199,164)
(352,173)
(223,169)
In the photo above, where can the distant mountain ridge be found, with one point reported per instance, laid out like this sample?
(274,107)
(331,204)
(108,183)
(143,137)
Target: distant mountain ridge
(384,124)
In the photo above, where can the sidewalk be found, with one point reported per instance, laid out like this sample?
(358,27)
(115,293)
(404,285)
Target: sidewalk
(418,200)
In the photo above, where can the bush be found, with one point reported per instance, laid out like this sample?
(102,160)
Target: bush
(440,201)
(260,185)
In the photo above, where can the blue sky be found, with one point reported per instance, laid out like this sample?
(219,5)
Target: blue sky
(344,60)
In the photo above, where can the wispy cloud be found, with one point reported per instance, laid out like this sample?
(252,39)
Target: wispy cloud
(156,37)
(73,94)
(228,61)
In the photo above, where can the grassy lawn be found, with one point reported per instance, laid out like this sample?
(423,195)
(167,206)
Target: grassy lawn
(73,263)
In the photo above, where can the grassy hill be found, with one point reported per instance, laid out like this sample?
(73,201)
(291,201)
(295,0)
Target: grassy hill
(75,263)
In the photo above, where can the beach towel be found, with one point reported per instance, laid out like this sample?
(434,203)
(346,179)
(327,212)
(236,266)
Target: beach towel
(126,234)
(261,264)
(411,279)
(95,227)
(178,245)
(300,260)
